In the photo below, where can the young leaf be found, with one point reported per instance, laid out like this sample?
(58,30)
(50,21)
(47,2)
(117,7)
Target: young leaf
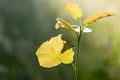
(50,54)
(67,56)
(96,17)
(73,9)
(57,25)
(85,30)
(64,24)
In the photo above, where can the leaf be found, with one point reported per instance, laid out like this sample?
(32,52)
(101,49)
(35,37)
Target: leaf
(85,30)
(67,56)
(73,9)
(49,53)
(57,25)
(76,27)
(96,17)
(64,24)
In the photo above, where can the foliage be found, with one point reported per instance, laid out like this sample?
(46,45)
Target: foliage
(49,53)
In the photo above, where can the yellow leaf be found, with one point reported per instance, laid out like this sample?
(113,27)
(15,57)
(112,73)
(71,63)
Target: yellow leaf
(49,53)
(73,9)
(67,56)
(64,24)
(57,25)
(97,16)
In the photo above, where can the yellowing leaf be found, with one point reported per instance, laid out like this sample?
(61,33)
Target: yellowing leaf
(73,9)
(49,53)
(97,16)
(57,25)
(64,24)
(67,56)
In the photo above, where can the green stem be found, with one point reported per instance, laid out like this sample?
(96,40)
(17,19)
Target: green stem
(74,67)
(78,51)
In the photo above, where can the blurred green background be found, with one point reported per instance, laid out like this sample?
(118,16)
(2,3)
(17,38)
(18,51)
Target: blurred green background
(25,24)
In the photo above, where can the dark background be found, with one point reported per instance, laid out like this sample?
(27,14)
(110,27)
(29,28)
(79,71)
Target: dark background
(25,24)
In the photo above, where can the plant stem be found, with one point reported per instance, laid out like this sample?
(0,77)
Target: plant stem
(77,51)
(74,67)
